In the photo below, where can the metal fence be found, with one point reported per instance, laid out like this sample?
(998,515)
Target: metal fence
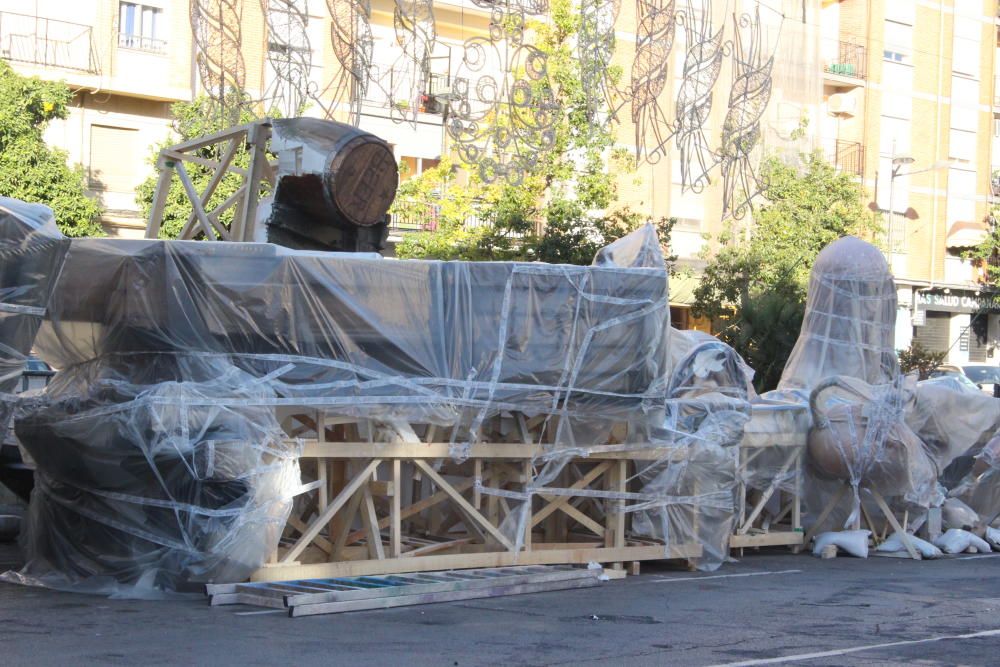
(47,42)
(140,43)
(425,216)
(851,61)
(849,157)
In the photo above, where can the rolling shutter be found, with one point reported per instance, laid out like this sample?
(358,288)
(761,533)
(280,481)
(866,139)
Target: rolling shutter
(934,334)
(115,158)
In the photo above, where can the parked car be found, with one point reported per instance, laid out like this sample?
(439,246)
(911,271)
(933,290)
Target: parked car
(947,370)
(987,378)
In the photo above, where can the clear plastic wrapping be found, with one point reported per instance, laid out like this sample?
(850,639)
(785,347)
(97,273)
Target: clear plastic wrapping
(31,252)
(161,461)
(845,363)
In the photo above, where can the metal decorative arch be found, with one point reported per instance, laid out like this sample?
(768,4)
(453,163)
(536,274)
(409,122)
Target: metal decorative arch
(748,99)
(351,39)
(655,33)
(218,38)
(289,55)
(502,109)
(702,65)
(416,35)
(595,50)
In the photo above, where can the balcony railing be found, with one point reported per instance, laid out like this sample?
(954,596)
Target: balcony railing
(47,42)
(425,216)
(140,43)
(849,157)
(851,61)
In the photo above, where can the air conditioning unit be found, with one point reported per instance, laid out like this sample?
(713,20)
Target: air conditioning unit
(844,104)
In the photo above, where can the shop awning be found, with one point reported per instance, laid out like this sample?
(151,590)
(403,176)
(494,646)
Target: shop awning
(966,234)
(682,289)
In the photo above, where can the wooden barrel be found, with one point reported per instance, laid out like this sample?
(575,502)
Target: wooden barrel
(361,178)
(358,171)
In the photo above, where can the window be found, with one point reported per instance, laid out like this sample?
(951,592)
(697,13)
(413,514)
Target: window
(141,27)
(965,49)
(901,11)
(962,145)
(964,102)
(414,166)
(898,42)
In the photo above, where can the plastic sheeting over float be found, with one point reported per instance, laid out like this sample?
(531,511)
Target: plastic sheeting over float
(872,428)
(31,252)
(160,457)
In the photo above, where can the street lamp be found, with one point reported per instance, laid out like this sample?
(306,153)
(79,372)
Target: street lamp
(898,162)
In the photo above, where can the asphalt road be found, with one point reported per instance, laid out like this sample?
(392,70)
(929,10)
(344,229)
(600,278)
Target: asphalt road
(767,609)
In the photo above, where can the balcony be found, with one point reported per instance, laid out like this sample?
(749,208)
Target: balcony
(140,43)
(47,42)
(850,62)
(849,157)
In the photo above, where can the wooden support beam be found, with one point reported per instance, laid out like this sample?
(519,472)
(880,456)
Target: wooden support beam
(331,509)
(370,519)
(563,554)
(473,513)
(395,511)
(558,502)
(880,501)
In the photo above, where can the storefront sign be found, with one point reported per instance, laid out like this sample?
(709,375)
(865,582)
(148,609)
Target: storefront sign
(966,302)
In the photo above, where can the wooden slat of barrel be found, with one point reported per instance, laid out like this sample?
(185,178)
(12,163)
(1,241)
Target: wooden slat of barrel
(362,180)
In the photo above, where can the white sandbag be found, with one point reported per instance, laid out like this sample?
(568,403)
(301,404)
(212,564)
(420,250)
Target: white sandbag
(853,542)
(956,514)
(956,540)
(924,548)
(992,536)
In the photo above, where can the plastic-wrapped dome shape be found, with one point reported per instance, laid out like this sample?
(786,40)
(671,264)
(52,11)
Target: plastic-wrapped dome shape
(849,325)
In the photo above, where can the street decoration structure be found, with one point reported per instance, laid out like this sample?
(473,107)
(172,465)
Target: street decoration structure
(499,102)
(416,35)
(218,39)
(289,54)
(352,42)
(702,66)
(741,131)
(502,110)
(655,34)
(595,50)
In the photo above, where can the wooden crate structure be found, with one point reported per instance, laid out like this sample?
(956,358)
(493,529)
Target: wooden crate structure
(391,497)
(772,453)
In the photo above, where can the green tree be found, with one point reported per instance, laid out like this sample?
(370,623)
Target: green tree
(754,283)
(31,170)
(190,120)
(987,254)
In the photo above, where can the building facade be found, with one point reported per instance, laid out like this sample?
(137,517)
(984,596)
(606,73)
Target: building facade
(899,93)
(909,99)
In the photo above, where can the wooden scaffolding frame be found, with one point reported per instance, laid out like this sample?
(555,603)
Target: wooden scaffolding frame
(382,500)
(781,437)
(202,220)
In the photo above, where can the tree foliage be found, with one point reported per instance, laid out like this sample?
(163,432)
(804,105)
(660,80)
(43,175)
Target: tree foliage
(987,254)
(754,283)
(919,358)
(190,120)
(563,211)
(31,170)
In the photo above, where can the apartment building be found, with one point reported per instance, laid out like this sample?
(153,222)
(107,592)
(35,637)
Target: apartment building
(909,99)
